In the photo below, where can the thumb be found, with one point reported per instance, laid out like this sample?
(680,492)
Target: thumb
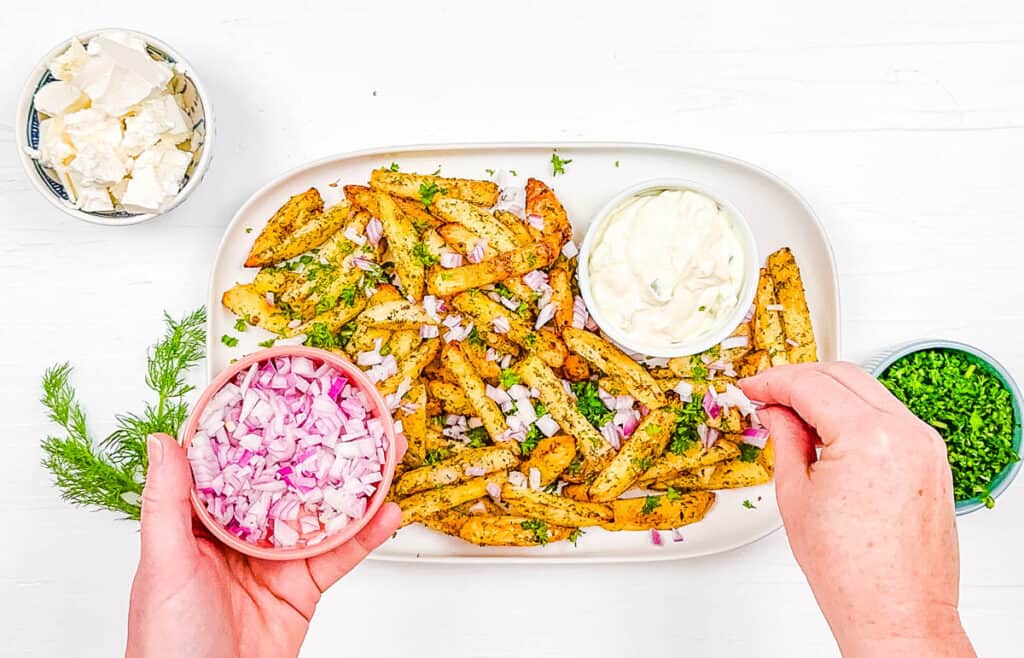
(793,442)
(167,539)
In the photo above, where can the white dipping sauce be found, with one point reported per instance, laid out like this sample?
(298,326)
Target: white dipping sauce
(666,267)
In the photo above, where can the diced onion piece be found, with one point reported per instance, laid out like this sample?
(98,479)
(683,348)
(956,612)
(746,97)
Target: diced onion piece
(570,250)
(755,436)
(374,231)
(476,254)
(733,342)
(450,259)
(501,325)
(684,390)
(655,537)
(544,315)
(547,425)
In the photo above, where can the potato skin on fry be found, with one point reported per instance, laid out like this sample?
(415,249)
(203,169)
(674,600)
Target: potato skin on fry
(551,508)
(667,515)
(796,319)
(482,193)
(453,469)
(246,303)
(446,282)
(541,201)
(295,212)
(402,239)
(613,361)
(671,465)
(477,220)
(648,441)
(766,323)
(509,531)
(419,506)
(473,386)
(575,368)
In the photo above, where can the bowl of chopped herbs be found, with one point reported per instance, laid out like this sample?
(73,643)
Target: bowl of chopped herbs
(973,403)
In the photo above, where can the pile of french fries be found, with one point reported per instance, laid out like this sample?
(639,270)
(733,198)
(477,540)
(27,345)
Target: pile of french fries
(471,301)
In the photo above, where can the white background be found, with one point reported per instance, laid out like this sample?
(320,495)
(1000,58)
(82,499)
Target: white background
(901,122)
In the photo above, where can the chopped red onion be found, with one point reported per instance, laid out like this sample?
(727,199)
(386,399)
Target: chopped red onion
(374,231)
(494,491)
(569,249)
(492,354)
(498,395)
(534,478)
(544,315)
(677,536)
(476,471)
(611,434)
(478,508)
(352,236)
(734,342)
(734,397)
(476,254)
(286,476)
(370,358)
(501,325)
(536,221)
(580,315)
(450,259)
(429,331)
(547,425)
(755,436)
(363,263)
(536,280)
(749,314)
(510,304)
(655,537)
(684,390)
(711,407)
(517,479)
(270,298)
(792,343)
(430,306)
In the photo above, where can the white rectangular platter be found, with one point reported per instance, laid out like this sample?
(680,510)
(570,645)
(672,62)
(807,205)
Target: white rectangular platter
(597,171)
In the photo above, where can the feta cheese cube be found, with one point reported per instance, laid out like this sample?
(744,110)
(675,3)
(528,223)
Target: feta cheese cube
(59,97)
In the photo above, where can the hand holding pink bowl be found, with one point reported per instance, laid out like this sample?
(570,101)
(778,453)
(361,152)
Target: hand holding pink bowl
(292,450)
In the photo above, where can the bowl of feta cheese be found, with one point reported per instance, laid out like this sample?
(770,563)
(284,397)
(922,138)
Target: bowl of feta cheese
(114,127)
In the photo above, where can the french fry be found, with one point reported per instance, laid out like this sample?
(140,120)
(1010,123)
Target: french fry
(476,352)
(520,233)
(613,361)
(462,240)
(551,508)
(575,368)
(561,296)
(482,193)
(485,311)
(671,465)
(469,381)
(511,531)
(589,442)
(310,235)
(550,457)
(410,368)
(403,342)
(451,397)
(541,201)
(333,319)
(419,506)
(295,212)
(397,314)
(767,325)
(796,319)
(753,363)
(477,220)
(414,425)
(646,443)
(456,469)
(253,307)
(402,241)
(446,282)
(665,514)
(275,280)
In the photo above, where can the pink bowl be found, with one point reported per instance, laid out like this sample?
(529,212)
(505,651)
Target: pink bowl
(377,407)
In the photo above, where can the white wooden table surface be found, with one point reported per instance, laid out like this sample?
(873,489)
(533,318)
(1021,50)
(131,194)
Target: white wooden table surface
(901,122)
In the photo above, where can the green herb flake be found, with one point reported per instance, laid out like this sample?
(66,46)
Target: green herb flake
(748,504)
(748,453)
(434,456)
(267,343)
(241,325)
(558,164)
(229,340)
(478,437)
(394,166)
(422,253)
(672,494)
(575,535)
(319,335)
(688,417)
(509,378)
(513,172)
(616,164)
(538,528)
(490,172)
(590,405)
(428,192)
(248,229)
(650,504)
(474,338)
(969,407)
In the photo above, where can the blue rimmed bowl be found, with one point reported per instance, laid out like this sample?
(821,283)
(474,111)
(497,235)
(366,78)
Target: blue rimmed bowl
(878,365)
(196,107)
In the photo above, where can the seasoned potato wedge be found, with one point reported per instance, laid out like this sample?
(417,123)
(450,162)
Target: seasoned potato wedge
(475,462)
(398,314)
(333,319)
(541,201)
(411,186)
(401,343)
(550,457)
(365,198)
(511,531)
(414,426)
(796,319)
(552,508)
(575,368)
(477,220)
(462,240)
(456,361)
(310,235)
(451,397)
(253,307)
(767,323)
(419,506)
(402,241)
(443,283)
(613,361)
(560,281)
(485,311)
(637,452)
(410,368)
(295,212)
(663,514)
(671,465)
(275,280)
(594,448)
(519,231)
(753,363)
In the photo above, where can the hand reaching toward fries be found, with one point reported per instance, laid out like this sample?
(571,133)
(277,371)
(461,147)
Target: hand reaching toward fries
(193,597)
(871,520)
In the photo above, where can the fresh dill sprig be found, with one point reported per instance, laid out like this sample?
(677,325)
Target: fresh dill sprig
(111,474)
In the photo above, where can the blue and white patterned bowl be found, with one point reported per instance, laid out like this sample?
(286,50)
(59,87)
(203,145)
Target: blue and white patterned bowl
(197,109)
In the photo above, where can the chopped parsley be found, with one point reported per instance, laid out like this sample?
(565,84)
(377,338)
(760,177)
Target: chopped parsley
(394,166)
(672,494)
(345,335)
(428,192)
(326,303)
(530,340)
(490,172)
(575,535)
(513,172)
(558,164)
(248,229)
(241,325)
(508,378)
(539,530)
(434,456)
(533,435)
(589,404)
(478,437)
(650,504)
(688,417)
(749,453)
(230,341)
(474,338)
(616,164)
(702,308)
(422,253)
(575,465)
(348,296)
(436,171)
(748,504)
(653,429)
(319,335)
(970,408)
(267,343)
(643,463)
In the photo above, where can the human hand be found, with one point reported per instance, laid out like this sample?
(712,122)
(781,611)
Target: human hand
(193,597)
(871,520)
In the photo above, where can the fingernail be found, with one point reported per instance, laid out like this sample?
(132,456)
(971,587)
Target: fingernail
(154,450)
